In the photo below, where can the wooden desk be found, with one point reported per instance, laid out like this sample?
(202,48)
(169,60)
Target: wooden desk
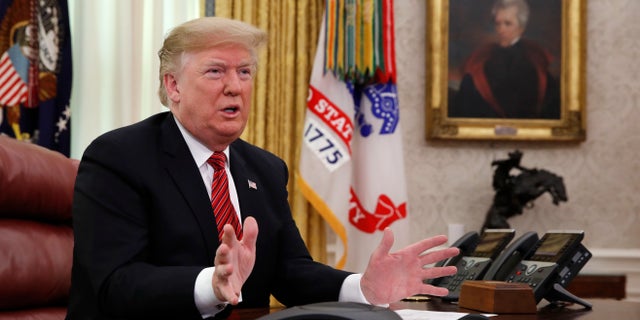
(599,286)
(602,309)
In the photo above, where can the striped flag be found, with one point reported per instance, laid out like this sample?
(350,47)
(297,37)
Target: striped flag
(35,72)
(13,89)
(351,161)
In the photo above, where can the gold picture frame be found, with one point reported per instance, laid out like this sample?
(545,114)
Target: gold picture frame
(569,125)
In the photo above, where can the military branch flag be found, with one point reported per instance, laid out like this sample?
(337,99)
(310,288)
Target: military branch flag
(35,72)
(351,161)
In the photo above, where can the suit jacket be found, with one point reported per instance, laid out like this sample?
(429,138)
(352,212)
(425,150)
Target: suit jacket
(144,228)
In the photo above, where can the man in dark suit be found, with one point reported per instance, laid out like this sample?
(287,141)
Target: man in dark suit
(146,239)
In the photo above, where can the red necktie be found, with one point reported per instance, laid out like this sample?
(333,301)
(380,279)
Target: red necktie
(220,200)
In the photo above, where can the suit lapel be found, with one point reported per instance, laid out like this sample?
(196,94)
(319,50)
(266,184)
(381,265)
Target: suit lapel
(180,166)
(247,183)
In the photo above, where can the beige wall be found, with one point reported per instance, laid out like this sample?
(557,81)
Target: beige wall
(450,182)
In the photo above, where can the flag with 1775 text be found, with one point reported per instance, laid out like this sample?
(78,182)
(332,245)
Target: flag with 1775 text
(351,158)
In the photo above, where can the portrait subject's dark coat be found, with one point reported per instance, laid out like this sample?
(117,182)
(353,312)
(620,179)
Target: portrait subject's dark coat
(508,82)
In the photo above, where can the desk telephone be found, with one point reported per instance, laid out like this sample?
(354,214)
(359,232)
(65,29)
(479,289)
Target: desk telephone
(547,264)
(476,254)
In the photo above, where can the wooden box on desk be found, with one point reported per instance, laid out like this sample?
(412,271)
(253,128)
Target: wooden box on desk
(497,297)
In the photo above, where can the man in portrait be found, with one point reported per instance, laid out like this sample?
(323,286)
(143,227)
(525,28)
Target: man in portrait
(509,78)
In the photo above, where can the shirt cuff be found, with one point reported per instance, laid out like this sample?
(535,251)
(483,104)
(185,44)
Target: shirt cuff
(205,299)
(352,292)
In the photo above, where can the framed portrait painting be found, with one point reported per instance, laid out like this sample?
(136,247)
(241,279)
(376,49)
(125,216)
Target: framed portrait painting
(506,70)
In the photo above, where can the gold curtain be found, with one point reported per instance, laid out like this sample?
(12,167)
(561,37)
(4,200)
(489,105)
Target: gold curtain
(280,92)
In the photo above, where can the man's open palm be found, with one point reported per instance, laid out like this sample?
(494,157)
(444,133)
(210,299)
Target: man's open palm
(390,277)
(234,261)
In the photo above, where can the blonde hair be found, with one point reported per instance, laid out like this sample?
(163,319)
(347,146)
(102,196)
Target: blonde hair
(203,33)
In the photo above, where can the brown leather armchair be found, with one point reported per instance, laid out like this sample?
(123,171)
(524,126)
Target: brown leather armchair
(36,238)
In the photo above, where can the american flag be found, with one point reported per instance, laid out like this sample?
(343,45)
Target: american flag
(13,89)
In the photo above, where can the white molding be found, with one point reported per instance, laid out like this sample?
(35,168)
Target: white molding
(617,261)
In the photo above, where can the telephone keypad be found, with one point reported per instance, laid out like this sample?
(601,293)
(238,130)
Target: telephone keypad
(532,273)
(459,278)
(469,268)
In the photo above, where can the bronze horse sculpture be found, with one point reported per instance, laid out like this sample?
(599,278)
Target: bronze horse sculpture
(516,192)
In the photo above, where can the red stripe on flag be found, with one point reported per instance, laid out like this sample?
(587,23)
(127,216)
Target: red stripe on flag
(388,44)
(12,89)
(331,115)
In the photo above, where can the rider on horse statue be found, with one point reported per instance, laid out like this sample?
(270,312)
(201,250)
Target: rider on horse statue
(515,192)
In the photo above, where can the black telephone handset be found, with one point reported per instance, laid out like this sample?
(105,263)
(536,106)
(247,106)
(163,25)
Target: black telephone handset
(549,266)
(511,256)
(473,264)
(467,243)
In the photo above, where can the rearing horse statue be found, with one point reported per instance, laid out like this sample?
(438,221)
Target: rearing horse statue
(515,192)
